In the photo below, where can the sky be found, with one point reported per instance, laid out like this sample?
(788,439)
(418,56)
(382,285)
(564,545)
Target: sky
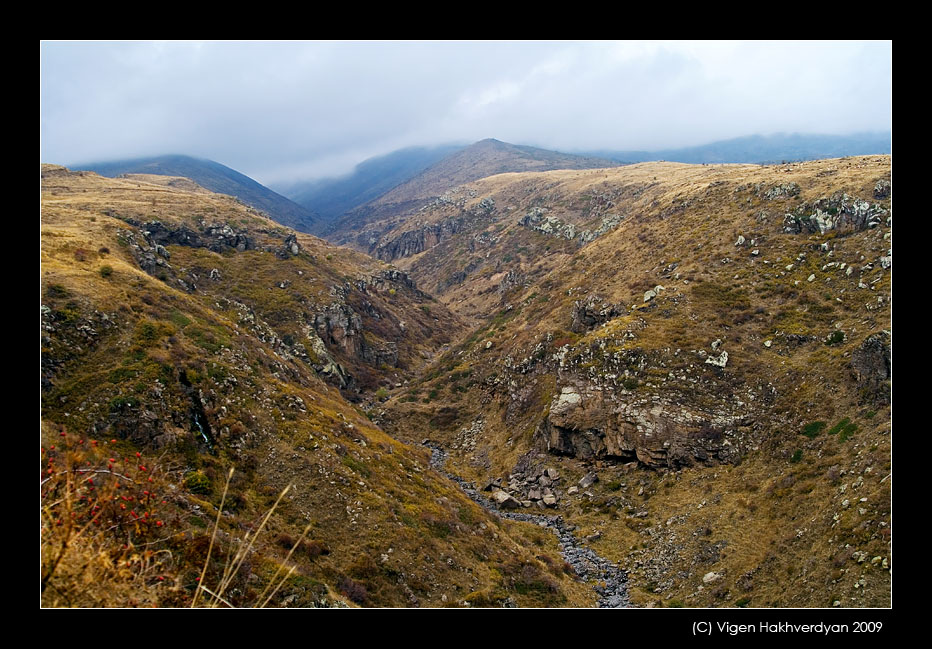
(286,111)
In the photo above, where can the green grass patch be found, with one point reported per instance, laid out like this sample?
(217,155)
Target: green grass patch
(813,429)
(844,429)
(356,466)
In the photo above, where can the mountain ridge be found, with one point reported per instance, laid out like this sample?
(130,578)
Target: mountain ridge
(215,177)
(765,149)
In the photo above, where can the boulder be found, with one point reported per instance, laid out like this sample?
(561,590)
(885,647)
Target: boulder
(505,500)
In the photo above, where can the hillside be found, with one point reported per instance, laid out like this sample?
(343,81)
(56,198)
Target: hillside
(476,161)
(216,178)
(539,378)
(184,334)
(702,352)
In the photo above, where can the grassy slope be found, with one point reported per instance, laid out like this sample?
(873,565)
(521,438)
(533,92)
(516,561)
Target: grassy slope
(217,178)
(136,358)
(775,525)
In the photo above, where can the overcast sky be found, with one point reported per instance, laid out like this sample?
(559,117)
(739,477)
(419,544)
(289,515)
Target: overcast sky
(284,111)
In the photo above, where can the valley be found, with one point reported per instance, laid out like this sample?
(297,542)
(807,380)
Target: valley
(563,384)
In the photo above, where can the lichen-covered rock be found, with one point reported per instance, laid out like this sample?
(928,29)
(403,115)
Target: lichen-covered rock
(719,361)
(840,212)
(785,190)
(882,188)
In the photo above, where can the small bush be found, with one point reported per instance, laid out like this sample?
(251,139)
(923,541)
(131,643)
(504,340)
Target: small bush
(813,429)
(797,456)
(353,590)
(197,483)
(103,519)
(106,271)
(57,291)
(835,338)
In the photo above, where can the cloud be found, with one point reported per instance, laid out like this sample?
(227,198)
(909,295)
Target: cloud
(284,110)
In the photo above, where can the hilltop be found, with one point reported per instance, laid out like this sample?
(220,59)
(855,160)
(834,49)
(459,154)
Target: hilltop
(216,178)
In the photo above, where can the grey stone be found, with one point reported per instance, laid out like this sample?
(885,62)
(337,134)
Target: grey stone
(588,480)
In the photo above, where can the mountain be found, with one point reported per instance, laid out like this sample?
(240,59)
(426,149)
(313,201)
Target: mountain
(484,158)
(332,197)
(217,178)
(770,149)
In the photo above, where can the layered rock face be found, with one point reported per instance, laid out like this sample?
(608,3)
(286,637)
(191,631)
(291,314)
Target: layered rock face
(655,432)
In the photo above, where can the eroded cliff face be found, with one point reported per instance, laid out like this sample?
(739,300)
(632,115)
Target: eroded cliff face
(592,424)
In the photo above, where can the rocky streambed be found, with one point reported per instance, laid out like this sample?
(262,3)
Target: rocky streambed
(611,583)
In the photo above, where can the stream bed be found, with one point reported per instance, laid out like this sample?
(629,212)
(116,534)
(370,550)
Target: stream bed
(611,583)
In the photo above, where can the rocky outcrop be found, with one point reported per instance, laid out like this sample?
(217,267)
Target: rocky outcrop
(592,312)
(290,248)
(415,241)
(339,326)
(549,225)
(840,213)
(655,432)
(217,237)
(512,279)
(536,220)
(785,190)
(882,189)
(871,368)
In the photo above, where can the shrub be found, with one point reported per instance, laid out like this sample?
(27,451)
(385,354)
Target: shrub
(106,271)
(57,291)
(813,429)
(797,456)
(353,590)
(102,526)
(197,483)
